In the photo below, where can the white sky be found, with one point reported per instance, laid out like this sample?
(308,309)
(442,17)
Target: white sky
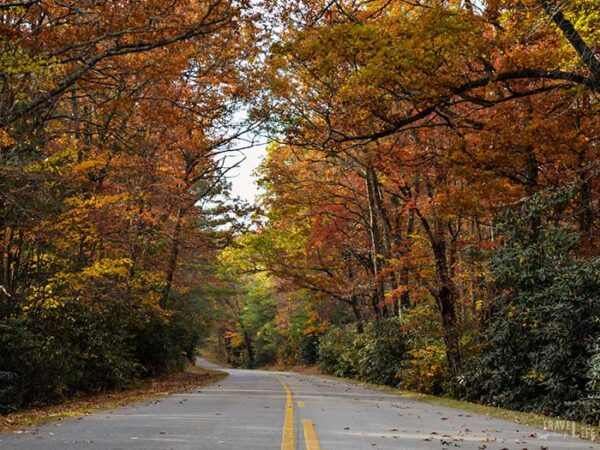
(242,181)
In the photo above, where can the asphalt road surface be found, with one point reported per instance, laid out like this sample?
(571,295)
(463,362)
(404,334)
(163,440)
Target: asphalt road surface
(253,409)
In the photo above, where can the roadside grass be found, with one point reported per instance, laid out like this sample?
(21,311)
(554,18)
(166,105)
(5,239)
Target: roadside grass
(551,424)
(151,389)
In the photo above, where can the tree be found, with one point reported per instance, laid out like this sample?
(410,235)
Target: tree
(116,118)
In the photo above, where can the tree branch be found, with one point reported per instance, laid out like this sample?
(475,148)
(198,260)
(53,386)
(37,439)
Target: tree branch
(525,74)
(586,54)
(23,4)
(202,28)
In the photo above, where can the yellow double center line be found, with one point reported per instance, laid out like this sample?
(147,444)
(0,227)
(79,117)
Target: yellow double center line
(288,438)
(310,436)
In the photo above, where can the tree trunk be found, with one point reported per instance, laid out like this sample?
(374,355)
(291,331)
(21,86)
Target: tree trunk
(446,301)
(173,254)
(445,293)
(531,187)
(446,297)
(586,210)
(249,349)
(377,249)
(585,52)
(354,300)
(357,314)
(405,271)
(387,241)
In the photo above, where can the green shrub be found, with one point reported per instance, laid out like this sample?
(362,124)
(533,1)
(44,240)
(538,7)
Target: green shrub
(588,408)
(308,350)
(540,345)
(49,353)
(7,391)
(64,350)
(375,356)
(383,354)
(425,367)
(155,345)
(265,345)
(336,353)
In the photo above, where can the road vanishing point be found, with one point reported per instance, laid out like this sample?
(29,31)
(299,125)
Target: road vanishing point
(255,409)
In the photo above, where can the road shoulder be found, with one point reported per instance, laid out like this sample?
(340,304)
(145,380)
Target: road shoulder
(556,424)
(173,383)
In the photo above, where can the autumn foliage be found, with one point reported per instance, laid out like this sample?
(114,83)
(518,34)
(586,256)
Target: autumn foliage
(429,206)
(402,134)
(115,118)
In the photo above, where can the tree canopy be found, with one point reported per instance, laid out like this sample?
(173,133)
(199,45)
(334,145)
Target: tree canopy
(428,214)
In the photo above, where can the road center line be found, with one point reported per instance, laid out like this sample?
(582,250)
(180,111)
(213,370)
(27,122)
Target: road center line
(310,436)
(288,438)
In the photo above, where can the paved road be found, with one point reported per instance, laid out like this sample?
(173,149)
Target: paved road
(256,410)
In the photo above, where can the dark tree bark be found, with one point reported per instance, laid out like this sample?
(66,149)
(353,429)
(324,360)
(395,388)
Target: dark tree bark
(249,348)
(405,271)
(377,247)
(446,297)
(355,303)
(173,254)
(445,293)
(586,54)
